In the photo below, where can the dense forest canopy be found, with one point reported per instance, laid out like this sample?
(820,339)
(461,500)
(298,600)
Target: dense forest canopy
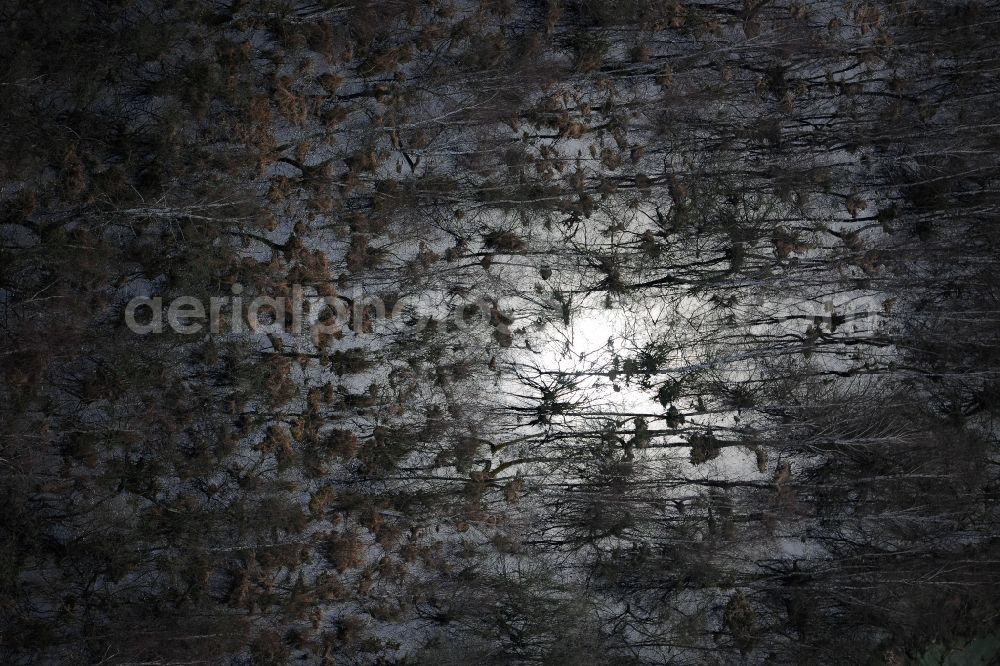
(499,332)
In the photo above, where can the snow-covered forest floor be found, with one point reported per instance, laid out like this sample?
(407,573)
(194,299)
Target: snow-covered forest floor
(643,332)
